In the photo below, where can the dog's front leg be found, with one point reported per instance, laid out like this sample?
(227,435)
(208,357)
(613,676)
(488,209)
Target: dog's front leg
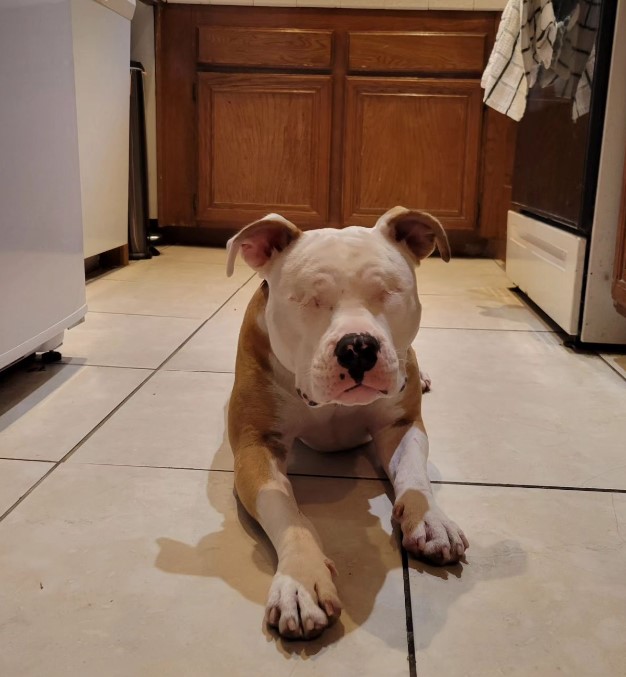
(426,530)
(303,599)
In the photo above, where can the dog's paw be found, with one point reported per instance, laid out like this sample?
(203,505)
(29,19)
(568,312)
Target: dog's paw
(303,600)
(425,380)
(435,538)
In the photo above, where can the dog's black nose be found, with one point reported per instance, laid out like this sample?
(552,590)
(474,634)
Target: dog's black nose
(357,353)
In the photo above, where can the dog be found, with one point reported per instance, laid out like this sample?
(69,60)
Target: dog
(325,356)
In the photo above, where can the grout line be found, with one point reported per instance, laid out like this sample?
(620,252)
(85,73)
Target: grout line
(514,331)
(408,610)
(549,487)
(28,460)
(117,407)
(169,317)
(28,493)
(510,331)
(152,467)
(611,366)
(200,371)
(104,366)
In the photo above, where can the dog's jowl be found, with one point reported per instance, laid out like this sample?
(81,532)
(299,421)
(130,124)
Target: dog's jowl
(325,356)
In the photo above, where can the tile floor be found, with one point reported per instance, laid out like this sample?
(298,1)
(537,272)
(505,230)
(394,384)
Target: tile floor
(123,552)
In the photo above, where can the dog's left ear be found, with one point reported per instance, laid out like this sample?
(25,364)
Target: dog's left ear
(419,230)
(260,241)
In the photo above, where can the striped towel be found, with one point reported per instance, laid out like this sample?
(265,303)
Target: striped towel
(571,72)
(524,42)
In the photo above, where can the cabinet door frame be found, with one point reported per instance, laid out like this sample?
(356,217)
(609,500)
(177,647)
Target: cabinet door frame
(619,268)
(320,87)
(357,86)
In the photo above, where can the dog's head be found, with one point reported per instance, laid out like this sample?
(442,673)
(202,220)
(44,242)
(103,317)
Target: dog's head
(343,308)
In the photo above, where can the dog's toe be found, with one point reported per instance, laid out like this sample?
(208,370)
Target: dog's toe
(436,539)
(302,610)
(426,381)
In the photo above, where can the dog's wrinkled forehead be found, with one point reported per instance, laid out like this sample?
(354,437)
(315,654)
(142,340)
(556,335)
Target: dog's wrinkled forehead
(342,254)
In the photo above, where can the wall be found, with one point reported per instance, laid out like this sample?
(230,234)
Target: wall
(142,49)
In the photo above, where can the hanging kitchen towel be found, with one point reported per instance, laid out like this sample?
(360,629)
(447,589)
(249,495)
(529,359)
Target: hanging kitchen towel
(573,62)
(523,43)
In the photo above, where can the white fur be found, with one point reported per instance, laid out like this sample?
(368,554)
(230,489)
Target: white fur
(302,600)
(328,283)
(333,283)
(426,530)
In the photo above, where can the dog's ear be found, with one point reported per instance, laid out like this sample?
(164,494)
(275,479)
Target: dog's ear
(260,241)
(419,230)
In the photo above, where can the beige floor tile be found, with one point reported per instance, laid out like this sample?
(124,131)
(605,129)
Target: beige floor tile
(492,5)
(171,271)
(318,3)
(460,276)
(214,347)
(135,571)
(198,255)
(174,296)
(44,414)
(542,593)
(617,362)
(518,407)
(16,478)
(109,339)
(451,4)
(485,308)
(178,420)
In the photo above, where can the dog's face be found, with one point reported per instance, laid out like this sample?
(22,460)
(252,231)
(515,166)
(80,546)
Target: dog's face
(343,307)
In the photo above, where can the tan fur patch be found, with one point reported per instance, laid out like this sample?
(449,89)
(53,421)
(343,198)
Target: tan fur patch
(253,408)
(410,405)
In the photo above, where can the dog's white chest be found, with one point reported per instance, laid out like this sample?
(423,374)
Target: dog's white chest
(336,427)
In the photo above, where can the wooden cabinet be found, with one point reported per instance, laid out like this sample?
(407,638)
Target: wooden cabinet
(263,146)
(619,271)
(412,142)
(329,117)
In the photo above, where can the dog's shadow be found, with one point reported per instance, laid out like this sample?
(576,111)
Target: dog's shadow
(353,519)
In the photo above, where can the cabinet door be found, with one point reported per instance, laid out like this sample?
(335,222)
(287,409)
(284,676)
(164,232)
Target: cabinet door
(413,143)
(619,272)
(264,146)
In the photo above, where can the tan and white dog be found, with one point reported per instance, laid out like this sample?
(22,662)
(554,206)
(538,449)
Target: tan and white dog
(325,356)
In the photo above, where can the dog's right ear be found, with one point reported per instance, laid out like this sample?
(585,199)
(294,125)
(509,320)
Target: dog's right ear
(261,241)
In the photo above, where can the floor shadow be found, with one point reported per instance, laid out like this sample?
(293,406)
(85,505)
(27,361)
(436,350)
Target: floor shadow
(25,384)
(352,518)
(502,559)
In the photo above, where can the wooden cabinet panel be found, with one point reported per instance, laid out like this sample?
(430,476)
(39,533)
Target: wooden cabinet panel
(417,52)
(240,134)
(264,145)
(176,134)
(268,47)
(619,271)
(414,143)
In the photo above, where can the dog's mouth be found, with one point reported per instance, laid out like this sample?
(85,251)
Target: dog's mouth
(362,385)
(360,393)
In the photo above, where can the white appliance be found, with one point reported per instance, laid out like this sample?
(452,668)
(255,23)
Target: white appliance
(42,285)
(64,115)
(560,249)
(101,48)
